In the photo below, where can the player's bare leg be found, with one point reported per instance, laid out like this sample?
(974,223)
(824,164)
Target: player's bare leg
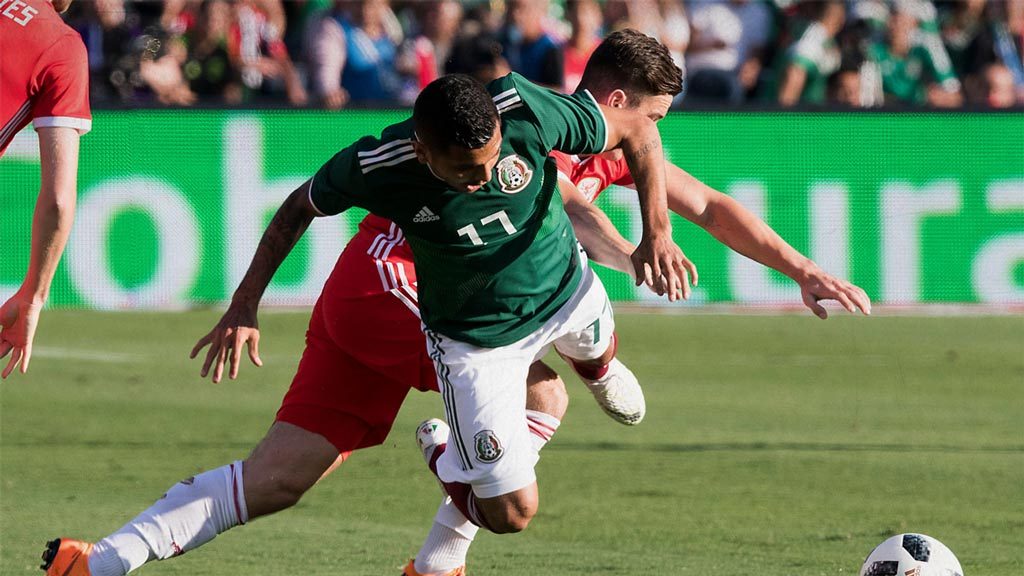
(286,463)
(284,466)
(444,551)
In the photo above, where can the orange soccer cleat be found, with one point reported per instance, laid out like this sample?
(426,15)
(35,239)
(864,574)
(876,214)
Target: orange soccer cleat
(410,570)
(66,557)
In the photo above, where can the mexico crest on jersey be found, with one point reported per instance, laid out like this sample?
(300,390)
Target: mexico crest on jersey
(513,174)
(488,448)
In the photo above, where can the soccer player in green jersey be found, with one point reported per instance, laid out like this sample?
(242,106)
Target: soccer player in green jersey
(630,70)
(469,180)
(500,275)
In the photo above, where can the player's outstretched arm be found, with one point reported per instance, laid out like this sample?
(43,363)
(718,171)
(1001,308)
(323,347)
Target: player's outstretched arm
(740,229)
(239,326)
(657,260)
(51,226)
(595,231)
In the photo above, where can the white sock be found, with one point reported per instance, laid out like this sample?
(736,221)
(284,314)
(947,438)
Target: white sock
(451,535)
(448,542)
(191,514)
(542,427)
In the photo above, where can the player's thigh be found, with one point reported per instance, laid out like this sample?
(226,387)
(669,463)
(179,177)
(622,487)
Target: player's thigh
(586,330)
(350,391)
(484,395)
(545,391)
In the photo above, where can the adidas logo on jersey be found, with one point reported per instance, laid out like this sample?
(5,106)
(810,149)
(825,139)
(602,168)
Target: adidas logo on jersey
(425,215)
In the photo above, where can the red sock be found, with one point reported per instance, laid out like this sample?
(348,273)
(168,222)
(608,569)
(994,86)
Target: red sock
(461,494)
(591,372)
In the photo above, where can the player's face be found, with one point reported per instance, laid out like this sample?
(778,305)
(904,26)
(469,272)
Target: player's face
(464,169)
(60,6)
(654,107)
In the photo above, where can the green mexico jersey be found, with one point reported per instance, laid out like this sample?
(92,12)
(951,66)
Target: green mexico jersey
(816,52)
(906,78)
(495,264)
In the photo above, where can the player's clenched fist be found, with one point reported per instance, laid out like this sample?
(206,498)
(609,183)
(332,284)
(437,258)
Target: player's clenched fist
(237,327)
(661,265)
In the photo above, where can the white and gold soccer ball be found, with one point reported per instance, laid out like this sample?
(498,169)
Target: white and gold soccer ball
(911,555)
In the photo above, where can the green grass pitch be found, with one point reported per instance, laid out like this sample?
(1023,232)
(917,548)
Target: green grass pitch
(772,446)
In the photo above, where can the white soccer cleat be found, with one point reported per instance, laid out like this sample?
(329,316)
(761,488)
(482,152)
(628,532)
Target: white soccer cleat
(430,434)
(618,393)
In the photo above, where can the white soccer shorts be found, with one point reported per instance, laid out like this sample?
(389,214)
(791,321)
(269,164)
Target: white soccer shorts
(484,391)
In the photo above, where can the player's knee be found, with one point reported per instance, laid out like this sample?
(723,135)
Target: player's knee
(272,485)
(512,523)
(514,517)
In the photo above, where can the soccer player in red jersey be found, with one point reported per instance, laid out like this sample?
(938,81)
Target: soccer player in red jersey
(618,86)
(44,79)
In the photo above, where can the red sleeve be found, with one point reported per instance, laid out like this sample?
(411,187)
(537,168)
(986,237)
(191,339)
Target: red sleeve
(564,164)
(62,97)
(622,176)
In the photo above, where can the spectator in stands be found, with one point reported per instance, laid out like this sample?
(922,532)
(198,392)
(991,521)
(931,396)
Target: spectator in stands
(480,56)
(353,54)
(110,30)
(529,49)
(808,62)
(665,20)
(912,72)
(961,23)
(993,87)
(257,49)
(724,57)
(844,86)
(999,41)
(585,18)
(209,70)
(424,56)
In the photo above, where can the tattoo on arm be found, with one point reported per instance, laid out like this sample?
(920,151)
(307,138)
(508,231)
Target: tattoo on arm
(281,235)
(646,149)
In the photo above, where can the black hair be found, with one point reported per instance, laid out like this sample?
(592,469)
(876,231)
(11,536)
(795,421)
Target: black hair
(455,110)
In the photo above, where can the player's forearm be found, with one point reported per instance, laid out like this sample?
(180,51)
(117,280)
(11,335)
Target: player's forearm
(55,208)
(600,238)
(646,160)
(739,229)
(281,235)
(51,226)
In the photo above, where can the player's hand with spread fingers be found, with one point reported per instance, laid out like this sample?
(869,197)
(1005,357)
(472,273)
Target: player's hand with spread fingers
(661,265)
(19,317)
(818,285)
(237,327)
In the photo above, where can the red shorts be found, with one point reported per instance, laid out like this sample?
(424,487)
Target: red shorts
(364,347)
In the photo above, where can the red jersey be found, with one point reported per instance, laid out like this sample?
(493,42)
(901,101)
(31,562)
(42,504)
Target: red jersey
(593,174)
(44,71)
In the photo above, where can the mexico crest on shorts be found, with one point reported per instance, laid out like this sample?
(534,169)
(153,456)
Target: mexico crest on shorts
(513,174)
(488,448)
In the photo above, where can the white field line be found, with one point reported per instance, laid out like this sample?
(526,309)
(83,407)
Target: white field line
(81,354)
(107,357)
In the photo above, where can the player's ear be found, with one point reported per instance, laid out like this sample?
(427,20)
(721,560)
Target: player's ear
(422,153)
(617,99)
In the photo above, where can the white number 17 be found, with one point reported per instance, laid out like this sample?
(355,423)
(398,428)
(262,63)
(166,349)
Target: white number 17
(474,237)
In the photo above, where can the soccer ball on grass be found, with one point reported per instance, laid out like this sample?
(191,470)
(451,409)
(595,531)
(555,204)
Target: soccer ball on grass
(911,555)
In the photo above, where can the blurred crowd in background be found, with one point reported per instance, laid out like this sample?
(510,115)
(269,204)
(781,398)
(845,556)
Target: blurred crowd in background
(380,53)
